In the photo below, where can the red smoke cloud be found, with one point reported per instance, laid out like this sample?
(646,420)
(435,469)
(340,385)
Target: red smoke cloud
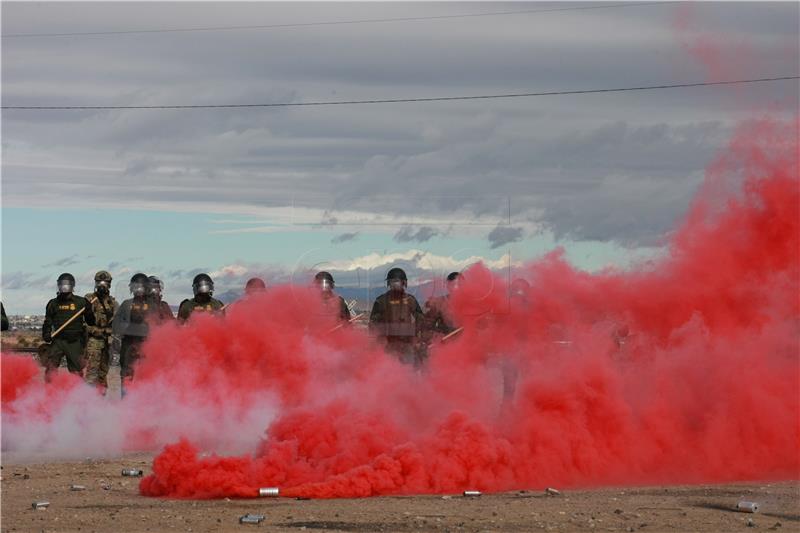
(704,388)
(21,384)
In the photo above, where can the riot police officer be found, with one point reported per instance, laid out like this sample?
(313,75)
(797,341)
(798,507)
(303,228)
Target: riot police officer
(397,319)
(159,311)
(130,326)
(203,301)
(70,341)
(332,302)
(437,309)
(104,307)
(254,286)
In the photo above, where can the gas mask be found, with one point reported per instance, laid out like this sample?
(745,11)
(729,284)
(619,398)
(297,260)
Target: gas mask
(102,288)
(325,285)
(155,289)
(138,289)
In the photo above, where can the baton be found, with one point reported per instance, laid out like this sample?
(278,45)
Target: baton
(348,322)
(452,333)
(73,317)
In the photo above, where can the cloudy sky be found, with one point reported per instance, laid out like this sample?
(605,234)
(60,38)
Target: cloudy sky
(432,186)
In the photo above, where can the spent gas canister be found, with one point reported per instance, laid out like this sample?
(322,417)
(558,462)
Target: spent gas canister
(269,492)
(747,507)
(132,472)
(251,519)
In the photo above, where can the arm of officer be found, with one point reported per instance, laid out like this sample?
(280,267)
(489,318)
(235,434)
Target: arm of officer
(47,326)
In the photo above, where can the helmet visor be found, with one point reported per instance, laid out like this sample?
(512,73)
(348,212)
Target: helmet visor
(155,288)
(203,287)
(325,285)
(65,286)
(137,288)
(396,284)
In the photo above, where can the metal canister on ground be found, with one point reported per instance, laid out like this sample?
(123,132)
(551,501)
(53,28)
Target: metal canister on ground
(472,493)
(77,487)
(132,472)
(747,507)
(40,506)
(251,519)
(269,492)
(550,491)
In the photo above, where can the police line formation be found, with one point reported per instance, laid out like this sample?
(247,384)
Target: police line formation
(94,331)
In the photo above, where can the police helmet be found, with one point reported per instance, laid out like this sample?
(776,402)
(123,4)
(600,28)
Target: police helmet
(202,284)
(324,280)
(65,283)
(255,285)
(396,279)
(102,275)
(138,284)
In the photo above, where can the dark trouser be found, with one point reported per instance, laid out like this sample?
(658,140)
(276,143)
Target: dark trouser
(510,377)
(129,354)
(405,349)
(72,348)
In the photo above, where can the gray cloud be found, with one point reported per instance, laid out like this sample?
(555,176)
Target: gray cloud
(411,234)
(503,235)
(24,280)
(63,262)
(344,237)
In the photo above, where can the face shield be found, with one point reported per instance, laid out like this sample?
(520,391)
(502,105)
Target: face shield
(155,288)
(138,288)
(65,286)
(325,285)
(396,285)
(203,287)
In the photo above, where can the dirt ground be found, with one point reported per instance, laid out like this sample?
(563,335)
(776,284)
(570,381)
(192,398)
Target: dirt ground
(112,503)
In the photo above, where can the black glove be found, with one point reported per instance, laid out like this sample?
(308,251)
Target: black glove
(47,336)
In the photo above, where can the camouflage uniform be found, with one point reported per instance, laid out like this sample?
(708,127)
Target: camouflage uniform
(195,305)
(398,321)
(98,343)
(70,341)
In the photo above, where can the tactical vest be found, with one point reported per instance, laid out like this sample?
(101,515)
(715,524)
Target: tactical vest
(399,316)
(334,305)
(189,307)
(139,310)
(60,311)
(103,310)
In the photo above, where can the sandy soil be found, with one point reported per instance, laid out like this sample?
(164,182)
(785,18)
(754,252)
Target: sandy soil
(112,503)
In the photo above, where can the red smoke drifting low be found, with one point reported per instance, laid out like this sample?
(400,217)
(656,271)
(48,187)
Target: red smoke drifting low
(704,389)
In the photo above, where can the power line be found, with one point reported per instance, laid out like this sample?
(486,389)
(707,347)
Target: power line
(406,100)
(333,23)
